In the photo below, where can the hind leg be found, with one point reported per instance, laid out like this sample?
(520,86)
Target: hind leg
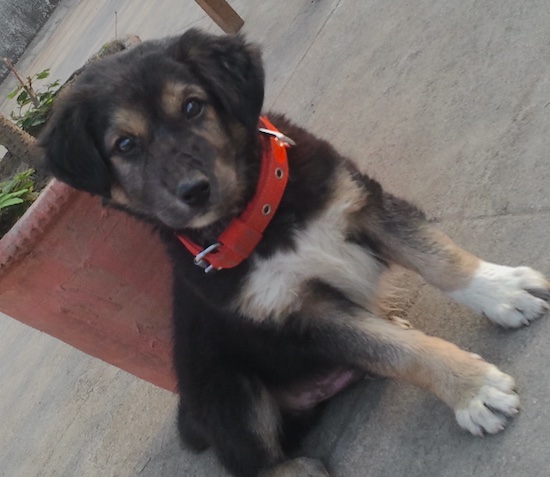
(190,431)
(240,418)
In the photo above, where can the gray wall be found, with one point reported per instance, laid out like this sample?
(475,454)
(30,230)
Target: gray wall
(20,21)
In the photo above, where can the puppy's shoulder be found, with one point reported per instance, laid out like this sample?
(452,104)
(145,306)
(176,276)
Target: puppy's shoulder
(318,170)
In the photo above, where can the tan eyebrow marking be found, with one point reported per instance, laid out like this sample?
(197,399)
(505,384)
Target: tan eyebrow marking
(174,94)
(126,121)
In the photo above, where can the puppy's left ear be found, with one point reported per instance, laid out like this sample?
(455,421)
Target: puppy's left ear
(230,67)
(71,151)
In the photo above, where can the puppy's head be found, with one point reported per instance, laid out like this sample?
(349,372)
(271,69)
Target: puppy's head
(166,130)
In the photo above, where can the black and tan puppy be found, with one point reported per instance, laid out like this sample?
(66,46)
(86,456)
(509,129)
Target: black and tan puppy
(169,132)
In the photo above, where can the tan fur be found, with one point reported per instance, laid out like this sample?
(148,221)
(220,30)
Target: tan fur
(175,93)
(454,270)
(452,374)
(213,133)
(126,121)
(118,196)
(439,260)
(265,420)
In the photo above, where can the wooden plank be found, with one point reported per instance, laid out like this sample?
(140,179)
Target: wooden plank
(222,14)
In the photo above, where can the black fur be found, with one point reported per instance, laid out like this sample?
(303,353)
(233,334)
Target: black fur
(222,362)
(79,162)
(239,370)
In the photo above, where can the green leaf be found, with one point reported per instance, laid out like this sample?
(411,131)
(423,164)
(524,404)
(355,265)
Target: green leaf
(26,124)
(8,186)
(36,121)
(21,181)
(17,193)
(30,116)
(9,202)
(43,74)
(14,93)
(13,198)
(23,97)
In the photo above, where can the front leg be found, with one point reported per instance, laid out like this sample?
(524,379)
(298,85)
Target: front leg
(481,396)
(508,296)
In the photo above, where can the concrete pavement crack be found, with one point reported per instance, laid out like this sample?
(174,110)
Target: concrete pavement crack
(510,214)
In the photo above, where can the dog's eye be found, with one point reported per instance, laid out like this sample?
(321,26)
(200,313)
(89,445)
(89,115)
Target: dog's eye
(192,108)
(125,144)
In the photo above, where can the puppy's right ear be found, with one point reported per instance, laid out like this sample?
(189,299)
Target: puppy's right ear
(71,151)
(229,67)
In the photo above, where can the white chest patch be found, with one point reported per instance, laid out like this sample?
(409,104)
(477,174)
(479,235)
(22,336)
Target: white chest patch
(274,287)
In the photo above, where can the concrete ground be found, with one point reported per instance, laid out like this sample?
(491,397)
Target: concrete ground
(448,104)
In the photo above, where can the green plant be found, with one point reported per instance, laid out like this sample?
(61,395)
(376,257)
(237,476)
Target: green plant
(34,105)
(17,190)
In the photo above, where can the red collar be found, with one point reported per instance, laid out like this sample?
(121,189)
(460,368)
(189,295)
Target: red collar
(244,232)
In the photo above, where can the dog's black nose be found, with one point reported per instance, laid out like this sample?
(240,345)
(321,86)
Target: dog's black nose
(194,192)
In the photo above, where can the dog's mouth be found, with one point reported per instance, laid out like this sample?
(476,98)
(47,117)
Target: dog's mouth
(195,204)
(165,206)
(182,219)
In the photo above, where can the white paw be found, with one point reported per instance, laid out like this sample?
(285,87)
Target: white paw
(511,297)
(486,411)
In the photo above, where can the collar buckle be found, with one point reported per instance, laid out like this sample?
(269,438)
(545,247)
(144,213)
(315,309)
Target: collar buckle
(284,140)
(200,258)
